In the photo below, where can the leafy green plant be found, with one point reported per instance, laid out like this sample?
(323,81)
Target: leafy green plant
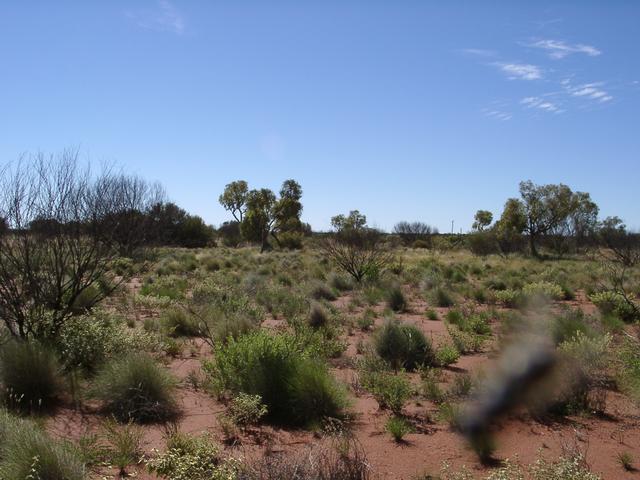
(246,409)
(193,458)
(390,390)
(610,302)
(543,289)
(446,354)
(135,388)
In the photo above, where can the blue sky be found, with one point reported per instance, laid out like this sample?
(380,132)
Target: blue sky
(404,110)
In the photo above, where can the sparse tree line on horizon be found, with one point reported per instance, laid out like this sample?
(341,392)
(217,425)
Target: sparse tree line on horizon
(63,229)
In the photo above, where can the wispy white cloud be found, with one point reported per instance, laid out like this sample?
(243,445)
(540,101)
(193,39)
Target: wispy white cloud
(541,104)
(558,49)
(591,91)
(520,71)
(497,114)
(480,52)
(164,18)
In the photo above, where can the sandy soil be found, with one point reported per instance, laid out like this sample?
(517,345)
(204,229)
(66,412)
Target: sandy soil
(600,438)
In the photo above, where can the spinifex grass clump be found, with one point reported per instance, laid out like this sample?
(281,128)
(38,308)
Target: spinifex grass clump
(403,345)
(296,388)
(135,388)
(29,376)
(27,452)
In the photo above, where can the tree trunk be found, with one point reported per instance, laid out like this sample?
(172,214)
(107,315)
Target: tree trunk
(532,245)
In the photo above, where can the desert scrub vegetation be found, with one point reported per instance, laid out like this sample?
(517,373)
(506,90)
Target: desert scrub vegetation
(293,383)
(30,376)
(135,388)
(403,345)
(27,452)
(193,458)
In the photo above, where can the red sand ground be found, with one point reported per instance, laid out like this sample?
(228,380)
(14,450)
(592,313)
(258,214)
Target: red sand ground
(518,436)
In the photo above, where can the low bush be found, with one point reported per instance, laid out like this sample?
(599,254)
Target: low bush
(609,302)
(326,461)
(296,387)
(246,409)
(124,445)
(29,376)
(442,298)
(403,345)
(509,298)
(320,291)
(170,286)
(396,300)
(135,388)
(340,282)
(318,316)
(390,390)
(193,458)
(87,342)
(27,452)
(178,323)
(568,324)
(446,354)
(543,289)
(398,427)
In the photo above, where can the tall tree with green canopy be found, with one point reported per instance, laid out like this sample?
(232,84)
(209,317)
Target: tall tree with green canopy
(266,215)
(545,207)
(234,199)
(483,219)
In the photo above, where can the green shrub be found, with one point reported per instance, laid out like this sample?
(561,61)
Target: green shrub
(509,298)
(543,289)
(178,323)
(318,316)
(29,376)
(628,369)
(432,390)
(366,320)
(398,427)
(396,300)
(465,342)
(340,282)
(169,286)
(565,326)
(135,388)
(193,458)
(27,452)
(442,298)
(124,444)
(446,354)
(320,291)
(291,240)
(390,391)
(246,409)
(431,314)
(87,342)
(296,388)
(86,299)
(403,345)
(609,302)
